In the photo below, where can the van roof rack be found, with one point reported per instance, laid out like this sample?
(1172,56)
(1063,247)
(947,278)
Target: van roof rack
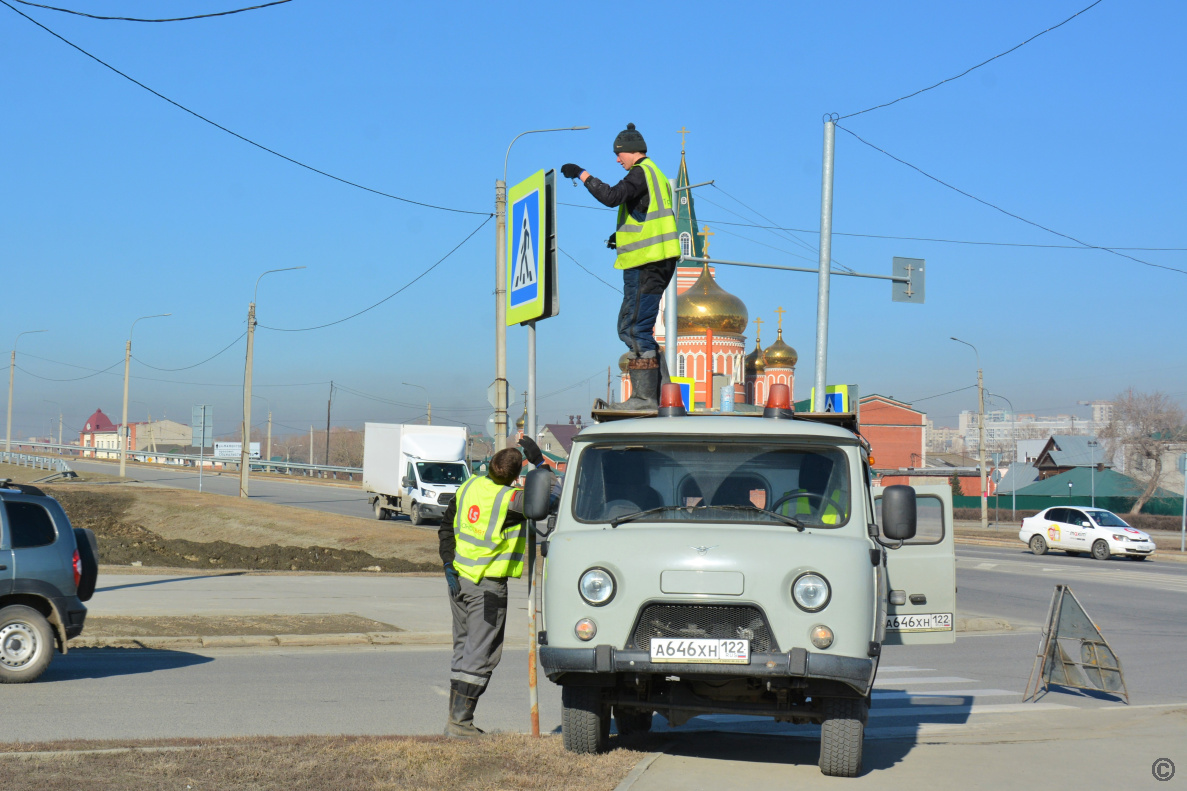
(603,413)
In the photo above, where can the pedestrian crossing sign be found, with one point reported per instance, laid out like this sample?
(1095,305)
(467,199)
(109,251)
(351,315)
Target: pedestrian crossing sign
(531,249)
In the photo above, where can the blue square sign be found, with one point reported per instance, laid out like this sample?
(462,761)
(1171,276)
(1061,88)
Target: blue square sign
(525,250)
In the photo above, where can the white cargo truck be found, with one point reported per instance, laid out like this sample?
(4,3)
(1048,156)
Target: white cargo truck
(413,470)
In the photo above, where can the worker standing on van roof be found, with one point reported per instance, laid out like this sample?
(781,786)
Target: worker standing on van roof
(483,542)
(648,249)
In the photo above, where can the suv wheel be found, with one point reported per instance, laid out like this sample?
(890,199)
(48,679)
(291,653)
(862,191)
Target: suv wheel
(26,644)
(841,733)
(631,721)
(585,719)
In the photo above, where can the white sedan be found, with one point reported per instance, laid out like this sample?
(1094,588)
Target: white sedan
(1082,531)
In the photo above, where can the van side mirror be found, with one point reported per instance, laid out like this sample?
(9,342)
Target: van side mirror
(537,492)
(408,482)
(898,512)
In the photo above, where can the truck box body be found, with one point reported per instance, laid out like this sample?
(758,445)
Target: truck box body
(392,451)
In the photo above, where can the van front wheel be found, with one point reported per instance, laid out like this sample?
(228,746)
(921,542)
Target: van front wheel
(585,719)
(842,732)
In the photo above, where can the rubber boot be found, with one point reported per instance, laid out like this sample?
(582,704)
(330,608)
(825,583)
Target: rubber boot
(461,716)
(644,388)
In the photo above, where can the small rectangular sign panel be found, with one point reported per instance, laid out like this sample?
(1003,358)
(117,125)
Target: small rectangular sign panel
(687,388)
(911,291)
(202,426)
(233,450)
(531,249)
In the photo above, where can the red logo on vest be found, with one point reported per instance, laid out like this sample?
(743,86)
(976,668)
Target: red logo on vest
(473,514)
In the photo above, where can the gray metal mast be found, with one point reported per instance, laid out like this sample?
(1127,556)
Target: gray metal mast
(826,245)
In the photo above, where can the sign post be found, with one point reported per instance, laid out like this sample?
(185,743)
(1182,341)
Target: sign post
(1183,528)
(201,433)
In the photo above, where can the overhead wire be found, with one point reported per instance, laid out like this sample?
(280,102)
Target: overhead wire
(995,207)
(974,68)
(937,395)
(588,272)
(72,379)
(234,134)
(137,19)
(389,296)
(195,365)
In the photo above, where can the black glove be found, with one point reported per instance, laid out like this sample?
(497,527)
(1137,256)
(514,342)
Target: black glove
(612,242)
(571,171)
(531,451)
(455,584)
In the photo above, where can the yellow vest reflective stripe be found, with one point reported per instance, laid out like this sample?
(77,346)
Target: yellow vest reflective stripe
(830,514)
(483,547)
(656,238)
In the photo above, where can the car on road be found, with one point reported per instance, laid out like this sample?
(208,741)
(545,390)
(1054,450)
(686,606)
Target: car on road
(47,570)
(1084,531)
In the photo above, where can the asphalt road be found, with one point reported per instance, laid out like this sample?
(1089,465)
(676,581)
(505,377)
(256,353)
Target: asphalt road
(349,500)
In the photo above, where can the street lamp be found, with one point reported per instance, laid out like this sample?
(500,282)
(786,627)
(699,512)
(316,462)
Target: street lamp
(1013,454)
(59,406)
(428,405)
(268,451)
(245,451)
(1092,446)
(980,433)
(11,369)
(501,307)
(1069,492)
(127,362)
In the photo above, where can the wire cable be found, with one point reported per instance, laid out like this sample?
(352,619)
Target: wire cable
(195,365)
(135,19)
(588,272)
(247,140)
(974,68)
(1008,213)
(937,395)
(74,379)
(389,296)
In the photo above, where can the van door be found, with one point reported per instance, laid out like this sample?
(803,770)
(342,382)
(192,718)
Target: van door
(923,573)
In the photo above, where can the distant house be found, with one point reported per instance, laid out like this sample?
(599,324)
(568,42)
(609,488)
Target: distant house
(1065,452)
(556,440)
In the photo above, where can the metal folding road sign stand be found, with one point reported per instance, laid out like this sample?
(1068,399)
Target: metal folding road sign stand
(1097,667)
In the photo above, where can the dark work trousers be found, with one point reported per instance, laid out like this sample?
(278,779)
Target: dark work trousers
(479,615)
(642,287)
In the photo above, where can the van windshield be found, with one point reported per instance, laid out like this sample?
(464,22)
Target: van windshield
(712,480)
(441,472)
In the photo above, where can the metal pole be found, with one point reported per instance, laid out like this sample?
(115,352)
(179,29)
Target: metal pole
(124,419)
(981,449)
(311,443)
(269,435)
(201,449)
(329,401)
(533,692)
(245,451)
(826,246)
(670,329)
(500,315)
(529,429)
(59,429)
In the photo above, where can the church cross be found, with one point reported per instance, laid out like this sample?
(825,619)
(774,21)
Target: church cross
(682,133)
(757,328)
(780,311)
(705,234)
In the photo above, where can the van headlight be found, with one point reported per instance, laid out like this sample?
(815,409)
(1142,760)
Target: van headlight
(596,586)
(811,592)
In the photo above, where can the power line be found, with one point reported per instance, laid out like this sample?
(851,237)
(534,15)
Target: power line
(1009,213)
(249,141)
(588,272)
(389,296)
(135,19)
(917,238)
(974,68)
(74,379)
(195,365)
(937,395)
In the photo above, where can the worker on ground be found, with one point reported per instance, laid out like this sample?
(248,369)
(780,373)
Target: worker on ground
(648,249)
(483,542)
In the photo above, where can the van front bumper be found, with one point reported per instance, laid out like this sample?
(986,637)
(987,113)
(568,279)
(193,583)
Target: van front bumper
(856,672)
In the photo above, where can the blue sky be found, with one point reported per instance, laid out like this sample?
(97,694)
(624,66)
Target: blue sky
(117,204)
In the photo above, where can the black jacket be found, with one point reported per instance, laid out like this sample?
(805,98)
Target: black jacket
(632,191)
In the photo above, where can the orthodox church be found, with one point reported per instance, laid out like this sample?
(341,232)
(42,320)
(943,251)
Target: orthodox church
(711,325)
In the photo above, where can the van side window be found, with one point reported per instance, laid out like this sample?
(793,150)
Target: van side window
(29,525)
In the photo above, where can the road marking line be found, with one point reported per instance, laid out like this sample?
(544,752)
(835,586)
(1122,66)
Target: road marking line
(928,680)
(903,669)
(947,693)
(991,708)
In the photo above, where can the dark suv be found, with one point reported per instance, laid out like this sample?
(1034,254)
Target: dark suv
(47,571)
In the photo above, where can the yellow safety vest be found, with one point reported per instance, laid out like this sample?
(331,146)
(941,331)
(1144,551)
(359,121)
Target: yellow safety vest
(831,514)
(483,547)
(657,238)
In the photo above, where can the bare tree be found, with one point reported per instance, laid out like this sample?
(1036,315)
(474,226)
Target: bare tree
(1142,427)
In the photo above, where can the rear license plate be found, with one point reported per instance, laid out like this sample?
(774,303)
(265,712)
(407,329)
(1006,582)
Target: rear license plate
(671,649)
(925,622)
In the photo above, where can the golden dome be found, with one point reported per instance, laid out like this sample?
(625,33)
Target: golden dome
(708,306)
(755,364)
(780,355)
(623,360)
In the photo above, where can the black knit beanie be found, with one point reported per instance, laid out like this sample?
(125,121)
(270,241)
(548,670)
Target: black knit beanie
(630,141)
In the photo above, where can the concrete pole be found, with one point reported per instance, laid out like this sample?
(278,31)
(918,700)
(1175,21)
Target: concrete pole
(429,411)
(124,418)
(329,401)
(529,428)
(981,450)
(245,451)
(311,444)
(500,315)
(269,434)
(8,424)
(826,247)
(59,431)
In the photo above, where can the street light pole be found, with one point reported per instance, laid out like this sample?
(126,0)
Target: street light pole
(980,433)
(124,436)
(268,450)
(824,277)
(11,369)
(501,306)
(428,404)
(51,426)
(245,451)
(1013,454)
(1092,446)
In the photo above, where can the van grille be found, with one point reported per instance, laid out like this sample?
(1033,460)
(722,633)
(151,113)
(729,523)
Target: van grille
(444,498)
(704,621)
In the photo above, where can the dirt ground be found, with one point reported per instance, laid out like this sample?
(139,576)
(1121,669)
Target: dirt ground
(19,474)
(503,761)
(184,529)
(190,625)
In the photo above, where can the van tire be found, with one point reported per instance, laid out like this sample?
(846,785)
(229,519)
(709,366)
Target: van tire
(630,722)
(26,644)
(417,517)
(585,720)
(1038,545)
(380,511)
(842,732)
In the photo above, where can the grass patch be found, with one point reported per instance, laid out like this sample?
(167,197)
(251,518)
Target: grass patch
(18,474)
(343,763)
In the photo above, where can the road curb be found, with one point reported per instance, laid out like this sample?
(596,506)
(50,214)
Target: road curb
(633,776)
(264,640)
(1172,555)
